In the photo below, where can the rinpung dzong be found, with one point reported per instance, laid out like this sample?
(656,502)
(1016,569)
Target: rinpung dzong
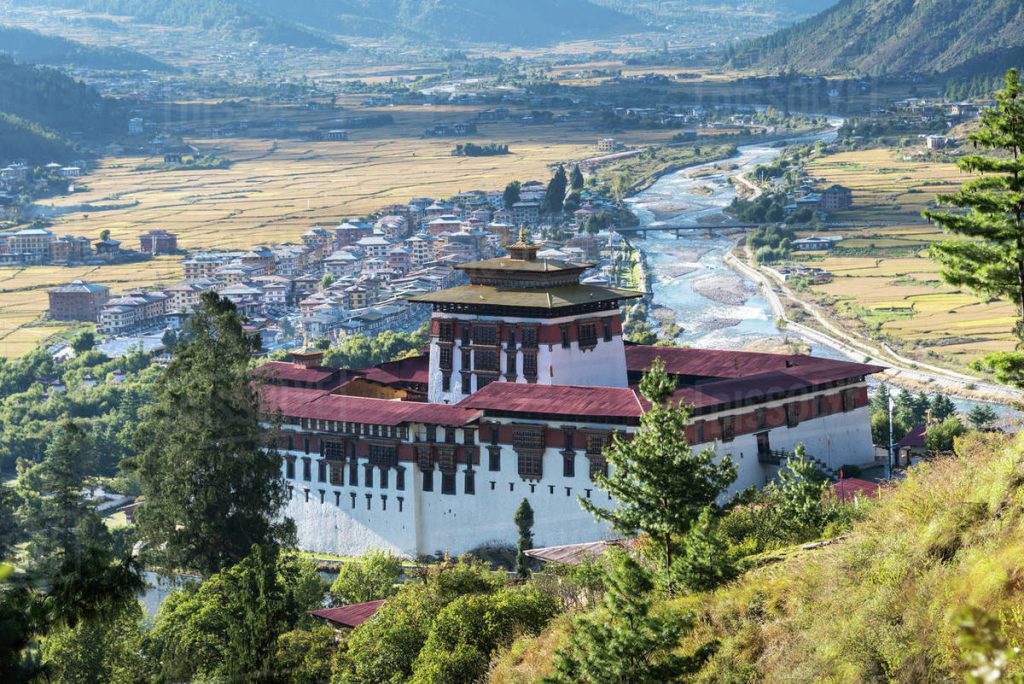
(526,379)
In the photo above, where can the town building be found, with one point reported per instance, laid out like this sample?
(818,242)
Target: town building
(837,198)
(158,242)
(525,381)
(78,301)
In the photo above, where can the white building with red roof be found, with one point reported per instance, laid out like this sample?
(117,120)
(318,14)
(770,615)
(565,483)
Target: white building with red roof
(526,379)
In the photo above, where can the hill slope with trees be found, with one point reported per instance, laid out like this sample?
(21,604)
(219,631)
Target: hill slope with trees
(35,48)
(305,23)
(896,37)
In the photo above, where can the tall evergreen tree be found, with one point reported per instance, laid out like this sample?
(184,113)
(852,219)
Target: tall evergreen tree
(212,487)
(554,196)
(627,644)
(705,561)
(659,484)
(801,487)
(524,523)
(991,258)
(511,194)
(576,178)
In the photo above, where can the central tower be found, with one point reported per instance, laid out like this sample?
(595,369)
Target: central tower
(524,319)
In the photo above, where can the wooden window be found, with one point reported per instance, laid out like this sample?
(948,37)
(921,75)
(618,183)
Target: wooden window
(353,473)
(467,333)
(698,431)
(446,459)
(400,479)
(449,435)
(596,444)
(792,414)
(307,473)
(598,464)
(337,473)
(728,424)
(486,335)
(524,438)
(428,480)
(470,483)
(467,359)
(468,436)
(446,382)
(445,358)
(291,442)
(290,468)
(764,448)
(446,331)
(321,471)
(761,418)
(486,360)
(448,482)
(569,464)
(334,451)
(530,366)
(569,439)
(606,328)
(368,477)
(384,477)
(529,338)
(483,381)
(510,364)
(467,383)
(564,330)
(383,455)
(305,444)
(424,458)
(510,338)
(531,465)
(588,335)
(494,458)
(849,399)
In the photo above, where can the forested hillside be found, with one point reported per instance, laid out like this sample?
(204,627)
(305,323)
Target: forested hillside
(41,108)
(35,48)
(305,22)
(895,37)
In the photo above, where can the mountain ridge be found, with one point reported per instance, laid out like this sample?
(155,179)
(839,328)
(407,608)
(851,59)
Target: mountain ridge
(881,37)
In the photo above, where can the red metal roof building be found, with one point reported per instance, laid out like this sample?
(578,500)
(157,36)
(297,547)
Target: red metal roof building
(351,616)
(517,398)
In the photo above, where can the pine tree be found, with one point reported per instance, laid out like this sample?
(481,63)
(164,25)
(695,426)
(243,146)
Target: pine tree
(511,194)
(942,407)
(576,178)
(991,258)
(659,484)
(626,644)
(212,489)
(705,561)
(524,523)
(554,196)
(981,416)
(801,487)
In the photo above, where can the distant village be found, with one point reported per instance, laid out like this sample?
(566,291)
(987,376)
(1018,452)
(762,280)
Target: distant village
(355,277)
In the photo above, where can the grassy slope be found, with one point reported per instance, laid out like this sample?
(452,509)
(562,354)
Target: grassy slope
(894,36)
(877,606)
(35,48)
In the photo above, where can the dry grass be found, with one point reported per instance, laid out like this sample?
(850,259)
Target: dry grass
(23,295)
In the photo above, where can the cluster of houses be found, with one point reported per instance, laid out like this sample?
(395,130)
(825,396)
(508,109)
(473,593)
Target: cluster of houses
(355,277)
(832,199)
(36,245)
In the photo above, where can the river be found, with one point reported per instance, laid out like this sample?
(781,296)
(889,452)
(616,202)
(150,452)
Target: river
(716,307)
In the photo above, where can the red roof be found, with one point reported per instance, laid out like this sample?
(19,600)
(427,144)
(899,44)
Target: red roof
(351,615)
(722,364)
(852,486)
(563,400)
(411,370)
(285,371)
(915,438)
(299,402)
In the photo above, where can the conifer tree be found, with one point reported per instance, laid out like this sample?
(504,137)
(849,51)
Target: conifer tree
(576,178)
(511,194)
(659,484)
(990,258)
(705,561)
(212,488)
(524,523)
(627,644)
(801,487)
(554,196)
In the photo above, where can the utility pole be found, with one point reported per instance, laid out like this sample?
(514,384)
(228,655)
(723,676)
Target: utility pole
(891,444)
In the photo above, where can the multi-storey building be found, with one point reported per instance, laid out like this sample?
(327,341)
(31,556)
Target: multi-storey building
(157,242)
(78,301)
(526,379)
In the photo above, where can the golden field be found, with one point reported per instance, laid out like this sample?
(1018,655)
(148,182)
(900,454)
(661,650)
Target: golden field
(23,295)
